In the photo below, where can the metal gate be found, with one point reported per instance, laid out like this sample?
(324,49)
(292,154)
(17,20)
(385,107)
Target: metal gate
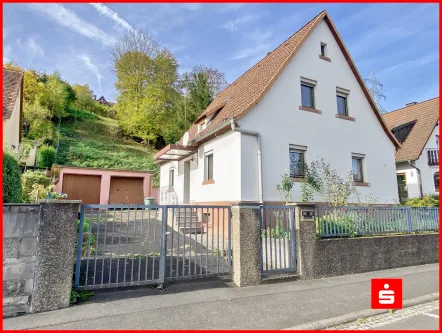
(128,245)
(278,248)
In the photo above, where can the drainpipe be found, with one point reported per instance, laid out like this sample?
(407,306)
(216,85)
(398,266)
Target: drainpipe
(419,177)
(258,137)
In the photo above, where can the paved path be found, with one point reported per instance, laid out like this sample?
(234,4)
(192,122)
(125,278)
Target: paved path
(217,305)
(419,317)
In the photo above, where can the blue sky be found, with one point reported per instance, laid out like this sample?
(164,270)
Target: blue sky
(399,42)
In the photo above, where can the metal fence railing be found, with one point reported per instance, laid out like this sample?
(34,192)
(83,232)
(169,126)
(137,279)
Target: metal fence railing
(355,221)
(277,239)
(127,245)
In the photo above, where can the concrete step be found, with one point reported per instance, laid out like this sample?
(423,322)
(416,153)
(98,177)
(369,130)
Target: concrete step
(194,228)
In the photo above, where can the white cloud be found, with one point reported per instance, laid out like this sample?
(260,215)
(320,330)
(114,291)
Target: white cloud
(7,54)
(233,24)
(70,20)
(410,64)
(94,68)
(106,11)
(230,6)
(35,48)
(251,52)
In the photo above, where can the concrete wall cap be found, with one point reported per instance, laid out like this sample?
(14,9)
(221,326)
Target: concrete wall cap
(55,201)
(301,204)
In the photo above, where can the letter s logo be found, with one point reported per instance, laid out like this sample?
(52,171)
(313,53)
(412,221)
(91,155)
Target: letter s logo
(386,297)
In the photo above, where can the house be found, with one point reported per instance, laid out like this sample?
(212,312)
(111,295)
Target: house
(103,101)
(304,100)
(12,108)
(416,127)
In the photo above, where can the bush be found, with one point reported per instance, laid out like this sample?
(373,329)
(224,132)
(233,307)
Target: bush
(12,190)
(35,182)
(431,200)
(46,157)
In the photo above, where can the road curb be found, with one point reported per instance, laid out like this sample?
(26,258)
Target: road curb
(319,325)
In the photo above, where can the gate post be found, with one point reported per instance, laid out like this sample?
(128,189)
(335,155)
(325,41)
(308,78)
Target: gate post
(162,268)
(246,243)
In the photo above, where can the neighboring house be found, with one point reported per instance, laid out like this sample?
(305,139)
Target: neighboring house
(12,108)
(416,127)
(103,101)
(304,100)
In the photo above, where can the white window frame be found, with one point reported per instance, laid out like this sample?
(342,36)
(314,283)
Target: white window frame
(297,149)
(341,92)
(325,50)
(206,165)
(360,157)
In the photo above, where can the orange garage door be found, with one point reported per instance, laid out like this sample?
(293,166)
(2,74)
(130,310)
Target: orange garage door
(126,190)
(82,187)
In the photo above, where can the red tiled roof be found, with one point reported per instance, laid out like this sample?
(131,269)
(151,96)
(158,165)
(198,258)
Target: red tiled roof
(425,115)
(12,80)
(243,94)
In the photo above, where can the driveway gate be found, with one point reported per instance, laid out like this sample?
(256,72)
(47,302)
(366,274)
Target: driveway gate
(278,250)
(127,245)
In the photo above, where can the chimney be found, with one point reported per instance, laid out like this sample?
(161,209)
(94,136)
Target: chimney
(410,104)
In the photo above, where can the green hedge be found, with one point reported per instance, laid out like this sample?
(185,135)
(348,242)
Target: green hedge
(46,157)
(431,200)
(12,190)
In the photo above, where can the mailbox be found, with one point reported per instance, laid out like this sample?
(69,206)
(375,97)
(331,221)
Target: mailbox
(307,215)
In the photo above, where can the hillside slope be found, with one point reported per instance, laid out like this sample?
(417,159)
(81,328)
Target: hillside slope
(95,141)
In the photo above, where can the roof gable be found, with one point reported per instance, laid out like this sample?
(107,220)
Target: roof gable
(12,81)
(425,116)
(243,94)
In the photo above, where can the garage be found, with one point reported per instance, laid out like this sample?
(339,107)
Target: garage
(126,190)
(82,187)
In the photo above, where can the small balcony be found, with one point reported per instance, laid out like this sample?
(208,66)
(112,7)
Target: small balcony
(433,157)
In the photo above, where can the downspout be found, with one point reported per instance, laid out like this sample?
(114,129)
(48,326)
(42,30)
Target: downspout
(419,178)
(258,137)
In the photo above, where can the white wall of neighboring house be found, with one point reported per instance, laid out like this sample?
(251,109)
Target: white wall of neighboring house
(11,126)
(278,118)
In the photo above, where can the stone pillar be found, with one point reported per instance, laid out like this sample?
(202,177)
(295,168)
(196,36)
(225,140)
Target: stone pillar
(305,234)
(54,263)
(246,235)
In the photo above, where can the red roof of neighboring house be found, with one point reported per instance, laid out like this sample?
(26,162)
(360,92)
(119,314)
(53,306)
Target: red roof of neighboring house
(425,116)
(243,94)
(12,81)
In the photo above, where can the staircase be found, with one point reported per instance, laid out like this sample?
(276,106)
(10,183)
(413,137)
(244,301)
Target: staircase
(186,222)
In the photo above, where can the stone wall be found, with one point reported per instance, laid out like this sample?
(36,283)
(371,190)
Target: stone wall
(20,228)
(38,255)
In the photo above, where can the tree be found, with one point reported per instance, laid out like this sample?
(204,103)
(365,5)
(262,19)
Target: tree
(56,97)
(37,122)
(12,190)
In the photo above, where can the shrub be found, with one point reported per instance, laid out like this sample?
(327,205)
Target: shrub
(431,200)
(12,188)
(46,157)
(35,185)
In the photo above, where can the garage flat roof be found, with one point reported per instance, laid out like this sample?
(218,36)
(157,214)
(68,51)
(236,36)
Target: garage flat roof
(104,169)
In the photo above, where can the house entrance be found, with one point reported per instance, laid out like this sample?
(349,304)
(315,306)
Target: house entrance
(402,187)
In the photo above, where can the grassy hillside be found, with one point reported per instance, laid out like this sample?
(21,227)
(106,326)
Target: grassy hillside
(94,141)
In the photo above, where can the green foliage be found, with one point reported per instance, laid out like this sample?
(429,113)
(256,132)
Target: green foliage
(35,185)
(431,200)
(80,296)
(285,188)
(12,189)
(277,232)
(78,114)
(37,122)
(46,157)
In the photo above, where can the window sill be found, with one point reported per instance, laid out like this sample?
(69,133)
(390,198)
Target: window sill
(170,190)
(361,184)
(324,58)
(306,108)
(207,182)
(340,116)
(297,179)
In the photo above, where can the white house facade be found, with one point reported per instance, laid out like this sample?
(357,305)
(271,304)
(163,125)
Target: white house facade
(417,162)
(314,105)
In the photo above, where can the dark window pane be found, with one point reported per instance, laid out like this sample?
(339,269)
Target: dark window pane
(342,105)
(296,164)
(357,169)
(436,181)
(307,96)
(323,50)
